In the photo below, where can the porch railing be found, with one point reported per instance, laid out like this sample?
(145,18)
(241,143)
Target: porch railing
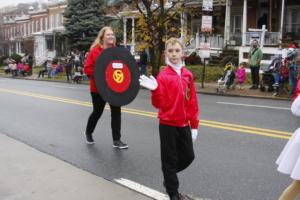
(235,39)
(216,41)
(271,38)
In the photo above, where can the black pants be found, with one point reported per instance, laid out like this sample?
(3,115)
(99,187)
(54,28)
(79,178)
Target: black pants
(177,153)
(98,107)
(255,75)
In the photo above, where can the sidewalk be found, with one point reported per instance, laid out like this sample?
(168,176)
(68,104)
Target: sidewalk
(209,88)
(28,174)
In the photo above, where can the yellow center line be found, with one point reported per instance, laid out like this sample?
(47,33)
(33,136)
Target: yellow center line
(246,131)
(208,123)
(220,123)
(246,127)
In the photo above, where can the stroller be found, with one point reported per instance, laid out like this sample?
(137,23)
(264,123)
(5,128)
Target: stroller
(274,75)
(227,80)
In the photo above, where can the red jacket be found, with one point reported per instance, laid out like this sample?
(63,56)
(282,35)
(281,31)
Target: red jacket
(176,98)
(90,64)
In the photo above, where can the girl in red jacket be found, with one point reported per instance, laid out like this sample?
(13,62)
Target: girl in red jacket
(173,93)
(105,39)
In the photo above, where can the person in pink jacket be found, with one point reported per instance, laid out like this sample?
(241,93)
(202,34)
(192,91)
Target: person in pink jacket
(241,75)
(174,95)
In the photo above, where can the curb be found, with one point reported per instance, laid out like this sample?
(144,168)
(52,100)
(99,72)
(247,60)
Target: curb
(198,91)
(244,96)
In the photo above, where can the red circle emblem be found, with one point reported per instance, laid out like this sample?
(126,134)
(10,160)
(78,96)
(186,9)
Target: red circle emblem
(117,76)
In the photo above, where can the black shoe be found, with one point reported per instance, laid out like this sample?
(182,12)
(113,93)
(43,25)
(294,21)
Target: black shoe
(252,87)
(120,145)
(184,197)
(89,138)
(180,197)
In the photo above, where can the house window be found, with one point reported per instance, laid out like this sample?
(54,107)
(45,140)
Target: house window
(195,25)
(236,22)
(292,20)
(49,42)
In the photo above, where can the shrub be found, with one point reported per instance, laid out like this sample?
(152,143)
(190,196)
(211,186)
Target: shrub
(212,73)
(2,58)
(16,57)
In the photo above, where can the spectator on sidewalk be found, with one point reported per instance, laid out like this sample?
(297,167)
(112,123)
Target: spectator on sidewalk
(53,68)
(68,69)
(241,75)
(254,58)
(20,67)
(30,63)
(58,69)
(26,69)
(49,67)
(143,62)
(293,69)
(43,70)
(6,62)
(13,68)
(76,60)
(78,76)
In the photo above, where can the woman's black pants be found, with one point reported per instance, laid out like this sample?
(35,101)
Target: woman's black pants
(98,107)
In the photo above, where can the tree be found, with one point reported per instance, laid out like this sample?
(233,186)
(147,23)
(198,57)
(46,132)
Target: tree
(157,22)
(84,19)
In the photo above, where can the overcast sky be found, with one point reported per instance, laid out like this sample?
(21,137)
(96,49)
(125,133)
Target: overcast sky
(13,2)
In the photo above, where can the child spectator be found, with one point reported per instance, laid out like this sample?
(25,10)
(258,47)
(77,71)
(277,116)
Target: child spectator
(26,69)
(13,68)
(49,67)
(241,75)
(20,67)
(78,75)
(53,69)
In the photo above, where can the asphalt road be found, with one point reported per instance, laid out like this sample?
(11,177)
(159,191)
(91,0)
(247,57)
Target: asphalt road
(239,138)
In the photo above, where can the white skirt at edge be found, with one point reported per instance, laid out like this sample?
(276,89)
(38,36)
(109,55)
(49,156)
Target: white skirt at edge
(289,159)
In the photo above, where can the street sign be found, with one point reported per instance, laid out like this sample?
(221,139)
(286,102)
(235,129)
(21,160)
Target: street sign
(206,25)
(207,5)
(204,50)
(116,76)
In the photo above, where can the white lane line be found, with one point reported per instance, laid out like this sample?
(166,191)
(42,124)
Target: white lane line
(257,106)
(61,86)
(142,189)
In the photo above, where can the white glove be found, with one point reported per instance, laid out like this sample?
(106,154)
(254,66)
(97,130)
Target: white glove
(194,134)
(149,83)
